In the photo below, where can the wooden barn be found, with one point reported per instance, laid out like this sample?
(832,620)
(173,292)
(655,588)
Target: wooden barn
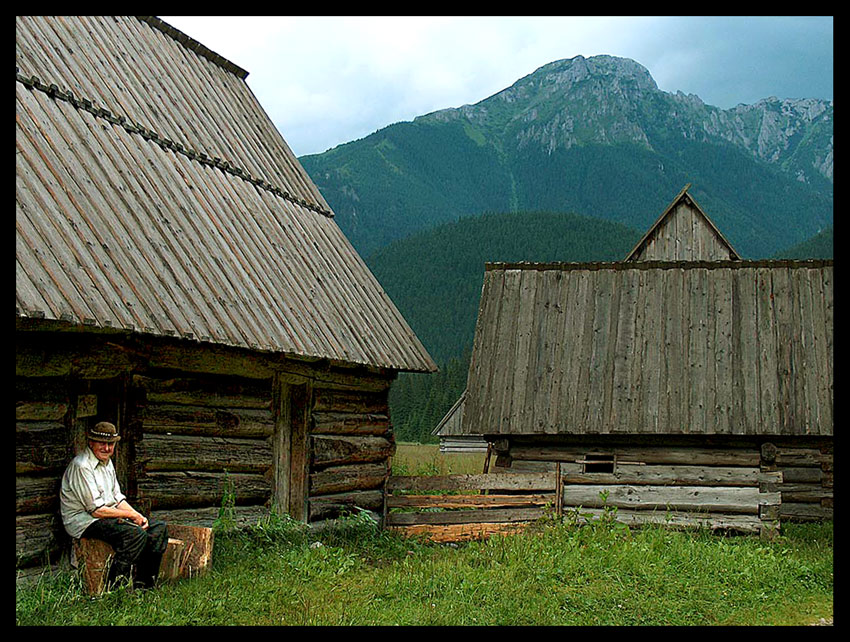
(683,384)
(179,274)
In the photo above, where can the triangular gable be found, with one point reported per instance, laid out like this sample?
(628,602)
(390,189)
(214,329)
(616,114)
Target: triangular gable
(672,237)
(451,423)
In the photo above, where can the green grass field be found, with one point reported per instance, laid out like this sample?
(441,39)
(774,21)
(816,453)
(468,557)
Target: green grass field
(278,573)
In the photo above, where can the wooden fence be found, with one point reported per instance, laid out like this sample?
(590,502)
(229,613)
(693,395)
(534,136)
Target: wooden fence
(490,504)
(462,507)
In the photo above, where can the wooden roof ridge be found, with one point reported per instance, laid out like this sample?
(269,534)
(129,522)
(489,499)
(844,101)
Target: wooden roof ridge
(193,45)
(665,264)
(52,90)
(681,196)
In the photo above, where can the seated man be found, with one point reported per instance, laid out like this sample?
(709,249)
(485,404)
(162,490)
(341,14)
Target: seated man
(93,506)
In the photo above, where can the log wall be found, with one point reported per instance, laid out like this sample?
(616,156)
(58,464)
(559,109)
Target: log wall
(351,443)
(202,439)
(43,414)
(718,485)
(197,426)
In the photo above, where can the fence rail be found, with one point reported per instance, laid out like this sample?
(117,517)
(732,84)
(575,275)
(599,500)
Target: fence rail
(490,503)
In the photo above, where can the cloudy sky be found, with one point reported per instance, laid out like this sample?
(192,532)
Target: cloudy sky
(330,80)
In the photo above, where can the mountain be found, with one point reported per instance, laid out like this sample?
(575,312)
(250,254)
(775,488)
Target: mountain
(820,246)
(435,276)
(594,136)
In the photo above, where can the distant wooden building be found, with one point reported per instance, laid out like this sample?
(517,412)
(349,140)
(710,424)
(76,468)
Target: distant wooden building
(179,274)
(449,431)
(667,388)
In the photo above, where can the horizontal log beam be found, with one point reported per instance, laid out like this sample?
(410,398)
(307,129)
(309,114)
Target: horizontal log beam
(490,481)
(198,489)
(199,420)
(36,494)
(339,423)
(339,479)
(206,517)
(459,532)
(338,450)
(215,393)
(467,501)
(496,516)
(678,519)
(682,498)
(182,452)
(327,506)
(646,455)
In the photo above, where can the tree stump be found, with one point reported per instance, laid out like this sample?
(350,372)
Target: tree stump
(93,557)
(196,558)
(188,554)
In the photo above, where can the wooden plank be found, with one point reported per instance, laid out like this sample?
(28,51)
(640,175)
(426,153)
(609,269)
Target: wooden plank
(467,501)
(638,497)
(442,533)
(677,519)
(329,506)
(768,352)
(202,420)
(495,516)
(644,454)
(338,479)
(218,392)
(504,347)
(198,489)
(522,361)
(181,452)
(476,410)
(337,423)
(625,353)
(671,474)
(490,481)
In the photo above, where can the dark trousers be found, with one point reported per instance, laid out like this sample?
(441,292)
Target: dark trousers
(134,546)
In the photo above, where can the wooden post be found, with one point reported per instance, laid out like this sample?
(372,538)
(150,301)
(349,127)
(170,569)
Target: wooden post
(559,491)
(299,452)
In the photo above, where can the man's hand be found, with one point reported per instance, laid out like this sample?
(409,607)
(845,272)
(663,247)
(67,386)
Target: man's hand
(140,520)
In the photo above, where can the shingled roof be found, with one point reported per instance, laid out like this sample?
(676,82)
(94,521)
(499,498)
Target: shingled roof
(154,195)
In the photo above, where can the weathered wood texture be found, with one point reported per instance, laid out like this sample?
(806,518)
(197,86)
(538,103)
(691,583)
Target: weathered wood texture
(717,483)
(44,412)
(683,232)
(725,348)
(807,479)
(196,556)
(351,444)
(213,229)
(455,517)
(202,439)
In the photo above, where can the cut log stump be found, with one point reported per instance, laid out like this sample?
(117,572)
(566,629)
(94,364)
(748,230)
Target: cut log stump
(188,554)
(196,554)
(93,557)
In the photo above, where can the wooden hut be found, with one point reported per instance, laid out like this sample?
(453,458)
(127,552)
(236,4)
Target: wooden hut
(696,391)
(179,274)
(452,440)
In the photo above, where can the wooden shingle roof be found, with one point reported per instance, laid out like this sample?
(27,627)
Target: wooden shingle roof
(644,347)
(154,195)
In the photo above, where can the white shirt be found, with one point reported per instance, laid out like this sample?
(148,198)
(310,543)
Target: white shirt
(87,485)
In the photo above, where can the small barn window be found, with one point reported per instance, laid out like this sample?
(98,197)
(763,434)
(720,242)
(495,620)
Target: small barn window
(598,463)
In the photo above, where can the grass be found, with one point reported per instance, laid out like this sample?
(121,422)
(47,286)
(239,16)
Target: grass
(279,573)
(426,459)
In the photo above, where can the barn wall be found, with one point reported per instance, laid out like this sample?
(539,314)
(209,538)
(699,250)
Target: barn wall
(737,484)
(199,428)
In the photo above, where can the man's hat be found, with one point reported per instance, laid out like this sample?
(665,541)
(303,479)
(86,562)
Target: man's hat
(103,431)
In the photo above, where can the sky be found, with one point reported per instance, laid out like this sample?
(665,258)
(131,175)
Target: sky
(325,81)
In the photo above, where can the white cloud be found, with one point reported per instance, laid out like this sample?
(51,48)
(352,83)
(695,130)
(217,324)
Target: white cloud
(329,80)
